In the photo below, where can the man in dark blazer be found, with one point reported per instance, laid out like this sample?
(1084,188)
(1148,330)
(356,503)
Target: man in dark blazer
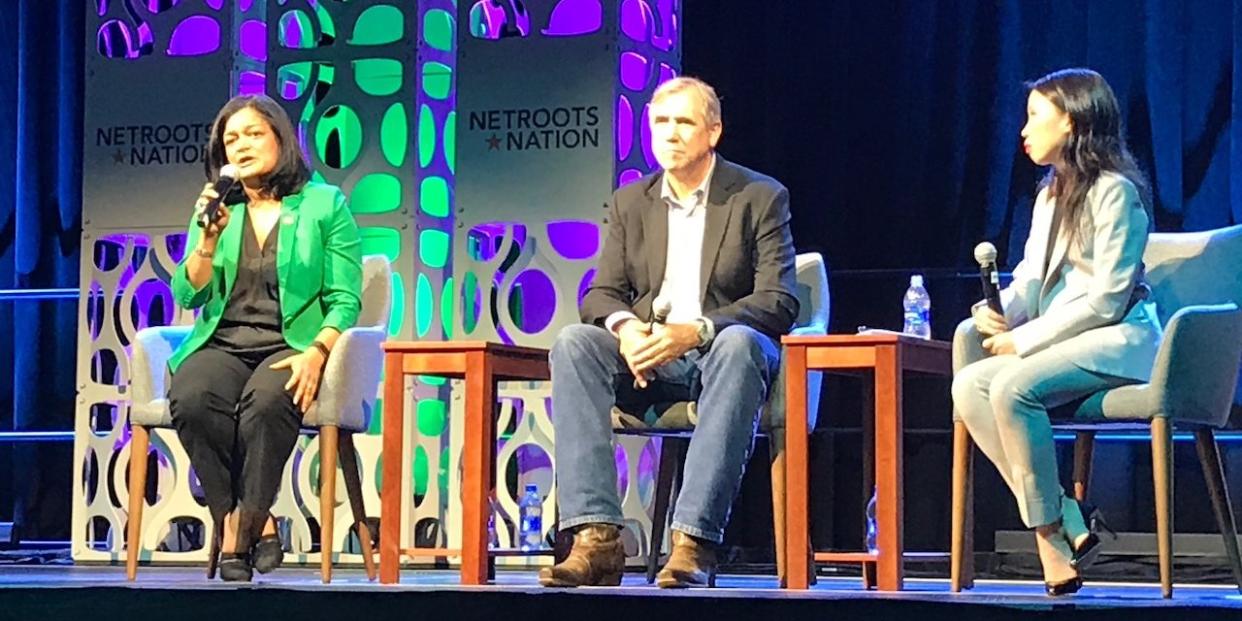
(712,238)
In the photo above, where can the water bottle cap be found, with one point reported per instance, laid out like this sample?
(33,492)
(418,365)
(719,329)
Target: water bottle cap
(916,280)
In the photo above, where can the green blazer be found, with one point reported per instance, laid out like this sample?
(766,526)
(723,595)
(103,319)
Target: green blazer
(318,263)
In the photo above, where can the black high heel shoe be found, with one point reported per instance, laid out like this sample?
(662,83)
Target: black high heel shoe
(268,554)
(1068,587)
(1086,552)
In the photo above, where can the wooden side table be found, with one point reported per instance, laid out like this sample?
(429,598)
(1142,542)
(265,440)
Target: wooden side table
(889,356)
(481,365)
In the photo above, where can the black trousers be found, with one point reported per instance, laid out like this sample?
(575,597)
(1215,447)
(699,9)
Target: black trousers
(238,424)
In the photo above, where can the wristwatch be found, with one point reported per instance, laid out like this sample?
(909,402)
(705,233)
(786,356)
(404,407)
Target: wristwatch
(705,333)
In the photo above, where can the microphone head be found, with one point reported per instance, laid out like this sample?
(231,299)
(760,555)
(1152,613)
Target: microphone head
(228,171)
(661,307)
(985,254)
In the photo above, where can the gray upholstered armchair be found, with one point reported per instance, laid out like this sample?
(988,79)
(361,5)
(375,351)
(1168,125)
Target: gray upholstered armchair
(1197,286)
(346,400)
(675,422)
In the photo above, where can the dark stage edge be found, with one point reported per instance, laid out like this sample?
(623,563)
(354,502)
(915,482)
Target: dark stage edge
(90,593)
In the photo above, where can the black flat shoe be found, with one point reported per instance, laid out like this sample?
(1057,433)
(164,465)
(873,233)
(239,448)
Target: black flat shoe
(268,554)
(235,567)
(1069,587)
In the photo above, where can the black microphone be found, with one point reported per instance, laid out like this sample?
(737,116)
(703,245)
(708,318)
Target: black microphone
(985,254)
(225,183)
(660,308)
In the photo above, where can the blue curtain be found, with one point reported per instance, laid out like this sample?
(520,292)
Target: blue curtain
(895,124)
(41,45)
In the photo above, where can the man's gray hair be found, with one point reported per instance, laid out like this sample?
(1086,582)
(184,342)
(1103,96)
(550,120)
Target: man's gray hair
(704,91)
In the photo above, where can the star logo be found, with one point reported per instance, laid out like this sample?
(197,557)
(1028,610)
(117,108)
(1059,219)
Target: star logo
(118,157)
(493,142)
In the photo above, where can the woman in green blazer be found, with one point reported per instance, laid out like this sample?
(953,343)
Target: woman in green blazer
(276,278)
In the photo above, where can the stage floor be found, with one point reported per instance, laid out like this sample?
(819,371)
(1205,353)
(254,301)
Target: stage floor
(1009,594)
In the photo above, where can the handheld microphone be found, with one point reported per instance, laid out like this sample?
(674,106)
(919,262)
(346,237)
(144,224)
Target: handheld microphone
(989,277)
(225,183)
(660,308)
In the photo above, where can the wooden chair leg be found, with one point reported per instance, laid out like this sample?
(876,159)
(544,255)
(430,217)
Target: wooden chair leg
(1214,474)
(353,489)
(139,442)
(1162,475)
(666,472)
(213,556)
(961,545)
(1084,447)
(776,447)
(328,447)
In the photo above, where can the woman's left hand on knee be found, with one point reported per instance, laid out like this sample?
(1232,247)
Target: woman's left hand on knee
(307,370)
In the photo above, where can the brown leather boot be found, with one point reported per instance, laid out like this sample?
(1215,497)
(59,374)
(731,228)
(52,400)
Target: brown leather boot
(692,564)
(597,559)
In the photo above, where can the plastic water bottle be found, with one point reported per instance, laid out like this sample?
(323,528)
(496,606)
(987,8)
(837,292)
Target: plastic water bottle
(493,539)
(872,547)
(917,305)
(530,511)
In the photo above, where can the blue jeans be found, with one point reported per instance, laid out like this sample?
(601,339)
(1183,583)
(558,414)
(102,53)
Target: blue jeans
(730,383)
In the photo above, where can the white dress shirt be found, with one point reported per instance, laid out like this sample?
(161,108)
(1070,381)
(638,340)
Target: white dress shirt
(687,216)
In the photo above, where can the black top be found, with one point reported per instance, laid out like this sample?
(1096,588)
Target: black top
(251,320)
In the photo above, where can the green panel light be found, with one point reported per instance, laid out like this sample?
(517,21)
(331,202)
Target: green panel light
(469,298)
(394,134)
(338,137)
(431,417)
(396,320)
(379,25)
(437,80)
(450,141)
(438,29)
(292,79)
(379,240)
(420,471)
(432,380)
(378,77)
(433,247)
(376,193)
(446,308)
(426,135)
(325,20)
(423,306)
(295,30)
(433,197)
(442,479)
(376,425)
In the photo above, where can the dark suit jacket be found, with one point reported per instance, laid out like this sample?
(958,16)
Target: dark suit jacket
(747,271)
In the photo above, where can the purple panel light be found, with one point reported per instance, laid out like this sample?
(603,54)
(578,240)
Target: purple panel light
(635,20)
(246,4)
(156,6)
(572,18)
(635,71)
(215,4)
(574,240)
(666,73)
(628,176)
(625,127)
(114,40)
(645,122)
(666,35)
(101,7)
(538,296)
(254,39)
(585,284)
(196,36)
(251,83)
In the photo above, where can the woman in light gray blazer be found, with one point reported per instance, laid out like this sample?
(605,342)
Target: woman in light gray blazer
(1075,321)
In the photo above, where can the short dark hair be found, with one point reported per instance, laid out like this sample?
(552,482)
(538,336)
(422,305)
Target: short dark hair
(291,171)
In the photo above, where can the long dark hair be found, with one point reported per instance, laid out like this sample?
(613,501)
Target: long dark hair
(1096,143)
(290,172)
